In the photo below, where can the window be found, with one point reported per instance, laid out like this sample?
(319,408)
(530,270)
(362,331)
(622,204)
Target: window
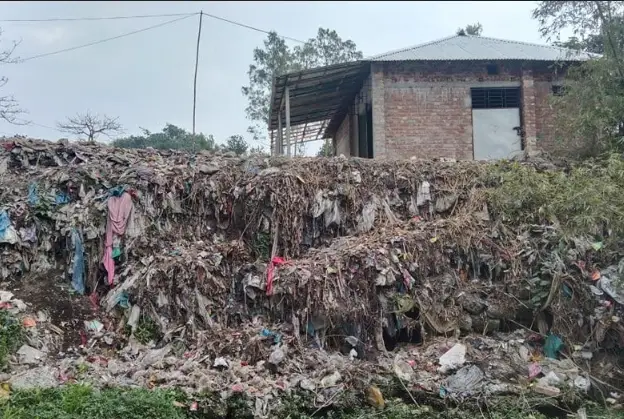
(557,90)
(492,69)
(499,97)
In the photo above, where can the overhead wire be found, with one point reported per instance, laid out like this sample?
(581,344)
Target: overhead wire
(251,27)
(107,39)
(76,19)
(183,16)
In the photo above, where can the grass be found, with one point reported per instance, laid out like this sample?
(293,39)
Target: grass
(147,330)
(585,201)
(79,402)
(11,336)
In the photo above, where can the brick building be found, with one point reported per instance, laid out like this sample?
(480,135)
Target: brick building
(462,97)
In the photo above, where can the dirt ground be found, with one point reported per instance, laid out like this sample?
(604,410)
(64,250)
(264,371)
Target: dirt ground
(55,297)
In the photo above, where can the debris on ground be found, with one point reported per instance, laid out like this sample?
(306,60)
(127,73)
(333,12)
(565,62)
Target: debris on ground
(255,276)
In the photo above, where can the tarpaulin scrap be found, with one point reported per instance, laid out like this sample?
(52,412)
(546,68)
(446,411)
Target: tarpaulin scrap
(119,212)
(5,222)
(79,264)
(552,346)
(33,198)
(61,198)
(276,261)
(7,232)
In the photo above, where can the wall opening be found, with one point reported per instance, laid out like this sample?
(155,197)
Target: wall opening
(495,97)
(496,127)
(492,69)
(365,133)
(557,90)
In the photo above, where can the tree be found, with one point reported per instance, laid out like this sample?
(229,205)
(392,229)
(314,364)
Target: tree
(90,126)
(277,58)
(589,116)
(326,150)
(475,29)
(171,138)
(237,144)
(9,107)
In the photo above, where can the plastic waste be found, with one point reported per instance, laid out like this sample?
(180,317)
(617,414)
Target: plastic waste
(453,358)
(79,263)
(61,198)
(221,363)
(374,397)
(403,370)
(29,355)
(33,198)
(423,195)
(29,322)
(277,338)
(277,356)
(614,292)
(582,383)
(93,326)
(467,379)
(552,346)
(331,380)
(534,370)
(7,232)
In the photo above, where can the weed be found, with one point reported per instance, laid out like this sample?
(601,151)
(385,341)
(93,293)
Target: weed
(147,330)
(78,402)
(262,246)
(11,336)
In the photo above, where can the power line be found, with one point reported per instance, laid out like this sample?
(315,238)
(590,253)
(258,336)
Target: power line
(78,19)
(75,19)
(107,39)
(242,25)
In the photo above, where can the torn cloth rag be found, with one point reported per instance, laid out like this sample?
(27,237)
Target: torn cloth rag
(119,212)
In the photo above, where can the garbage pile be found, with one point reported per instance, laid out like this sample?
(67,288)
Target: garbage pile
(360,258)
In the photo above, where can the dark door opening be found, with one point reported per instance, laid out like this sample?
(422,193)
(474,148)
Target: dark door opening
(365,133)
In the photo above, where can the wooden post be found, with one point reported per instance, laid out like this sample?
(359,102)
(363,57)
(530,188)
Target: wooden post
(280,134)
(287,93)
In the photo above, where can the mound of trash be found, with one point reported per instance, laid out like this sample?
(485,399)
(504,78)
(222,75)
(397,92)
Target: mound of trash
(215,272)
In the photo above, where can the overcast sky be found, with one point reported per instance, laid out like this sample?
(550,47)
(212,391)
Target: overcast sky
(147,79)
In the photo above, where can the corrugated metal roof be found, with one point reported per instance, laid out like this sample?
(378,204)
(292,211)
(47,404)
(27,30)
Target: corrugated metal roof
(467,47)
(319,98)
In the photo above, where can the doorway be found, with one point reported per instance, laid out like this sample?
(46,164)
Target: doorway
(496,125)
(365,132)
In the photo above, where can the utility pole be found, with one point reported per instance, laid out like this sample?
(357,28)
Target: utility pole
(201,14)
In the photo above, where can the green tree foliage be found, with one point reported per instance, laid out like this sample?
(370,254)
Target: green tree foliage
(474,29)
(326,150)
(277,58)
(589,116)
(171,137)
(237,144)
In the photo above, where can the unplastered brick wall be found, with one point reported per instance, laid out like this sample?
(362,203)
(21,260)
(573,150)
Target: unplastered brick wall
(346,137)
(427,110)
(544,116)
(343,137)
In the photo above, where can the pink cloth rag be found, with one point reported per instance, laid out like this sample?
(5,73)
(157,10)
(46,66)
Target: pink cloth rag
(276,261)
(119,211)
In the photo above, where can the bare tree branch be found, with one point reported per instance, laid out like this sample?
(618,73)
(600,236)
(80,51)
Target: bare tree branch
(90,126)
(9,108)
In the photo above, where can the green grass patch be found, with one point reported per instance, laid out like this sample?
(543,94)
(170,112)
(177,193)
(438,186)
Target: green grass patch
(586,201)
(79,402)
(11,336)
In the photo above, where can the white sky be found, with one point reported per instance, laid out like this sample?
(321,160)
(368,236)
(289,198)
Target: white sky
(147,79)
